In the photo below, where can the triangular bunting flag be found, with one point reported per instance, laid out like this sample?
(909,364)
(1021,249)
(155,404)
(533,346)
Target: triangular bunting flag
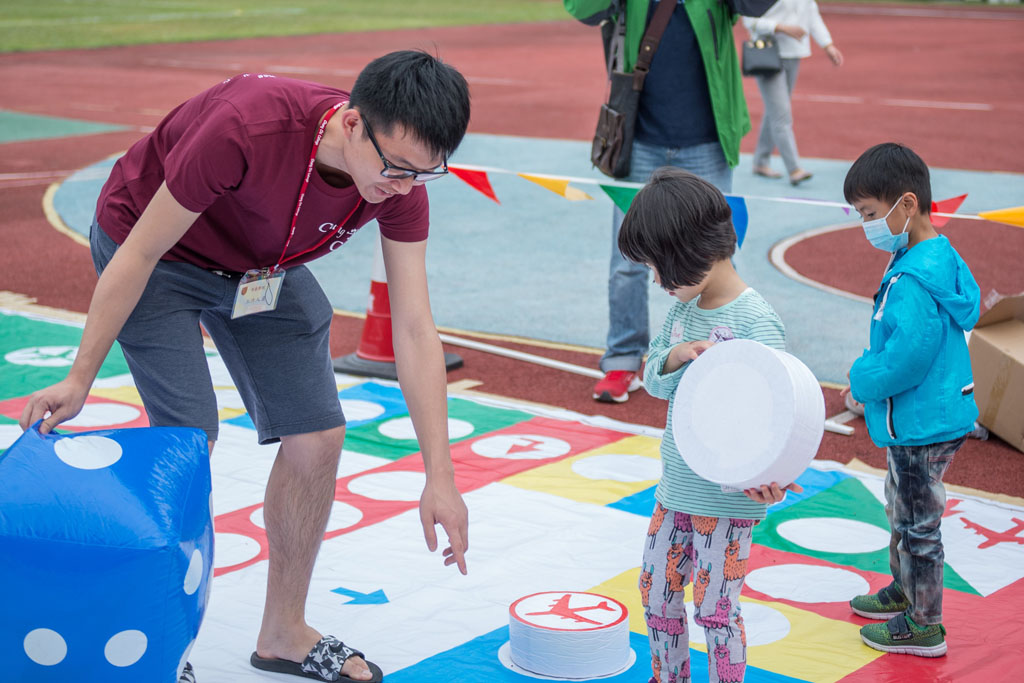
(478,180)
(1011,216)
(559,186)
(621,196)
(945,206)
(740,218)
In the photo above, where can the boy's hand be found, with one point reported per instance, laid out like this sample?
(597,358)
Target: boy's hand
(771,494)
(845,390)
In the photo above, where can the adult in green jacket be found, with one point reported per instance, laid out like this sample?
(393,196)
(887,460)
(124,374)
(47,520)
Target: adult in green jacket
(692,115)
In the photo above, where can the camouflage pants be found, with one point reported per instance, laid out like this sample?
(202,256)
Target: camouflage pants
(915,500)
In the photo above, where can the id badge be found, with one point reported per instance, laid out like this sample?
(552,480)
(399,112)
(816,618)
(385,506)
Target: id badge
(257,292)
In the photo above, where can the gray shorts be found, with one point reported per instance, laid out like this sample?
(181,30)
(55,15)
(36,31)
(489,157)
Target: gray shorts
(279,360)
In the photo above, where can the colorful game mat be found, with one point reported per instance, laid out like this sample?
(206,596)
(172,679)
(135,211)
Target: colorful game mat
(558,502)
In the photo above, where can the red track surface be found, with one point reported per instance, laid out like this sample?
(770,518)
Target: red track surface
(545,80)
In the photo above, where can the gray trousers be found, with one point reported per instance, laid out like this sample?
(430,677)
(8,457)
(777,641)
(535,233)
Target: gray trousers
(777,122)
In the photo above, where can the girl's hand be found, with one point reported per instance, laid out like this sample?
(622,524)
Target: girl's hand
(772,494)
(688,351)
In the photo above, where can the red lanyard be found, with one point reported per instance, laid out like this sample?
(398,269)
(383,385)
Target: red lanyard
(302,195)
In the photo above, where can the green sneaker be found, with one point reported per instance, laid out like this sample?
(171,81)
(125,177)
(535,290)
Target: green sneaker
(900,635)
(885,604)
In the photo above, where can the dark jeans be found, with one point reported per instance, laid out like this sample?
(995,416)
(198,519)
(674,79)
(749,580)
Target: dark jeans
(915,500)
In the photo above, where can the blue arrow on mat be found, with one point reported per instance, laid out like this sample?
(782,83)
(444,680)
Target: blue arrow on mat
(377,597)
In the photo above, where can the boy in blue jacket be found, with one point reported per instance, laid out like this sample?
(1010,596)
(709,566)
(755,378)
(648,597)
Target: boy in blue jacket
(916,386)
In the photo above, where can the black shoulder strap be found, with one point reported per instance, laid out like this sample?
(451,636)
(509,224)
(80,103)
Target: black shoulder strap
(649,43)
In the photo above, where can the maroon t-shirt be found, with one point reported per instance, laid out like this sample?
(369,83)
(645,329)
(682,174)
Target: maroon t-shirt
(237,154)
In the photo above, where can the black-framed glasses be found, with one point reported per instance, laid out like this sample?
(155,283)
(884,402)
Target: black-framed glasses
(394,172)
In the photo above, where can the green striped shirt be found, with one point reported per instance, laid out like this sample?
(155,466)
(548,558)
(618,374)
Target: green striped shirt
(748,316)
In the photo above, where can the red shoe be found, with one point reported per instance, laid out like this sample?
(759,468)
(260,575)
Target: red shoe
(615,386)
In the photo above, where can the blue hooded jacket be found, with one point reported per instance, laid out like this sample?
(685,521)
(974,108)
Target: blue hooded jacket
(915,381)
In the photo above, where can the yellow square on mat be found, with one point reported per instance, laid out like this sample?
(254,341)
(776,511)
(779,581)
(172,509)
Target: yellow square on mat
(131,396)
(126,394)
(580,477)
(815,648)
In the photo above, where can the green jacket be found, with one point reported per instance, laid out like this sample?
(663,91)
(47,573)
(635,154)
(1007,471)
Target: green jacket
(712,22)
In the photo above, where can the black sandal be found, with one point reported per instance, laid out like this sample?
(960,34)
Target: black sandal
(323,663)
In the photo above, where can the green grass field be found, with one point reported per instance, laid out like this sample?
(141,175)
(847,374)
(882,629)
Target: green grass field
(63,24)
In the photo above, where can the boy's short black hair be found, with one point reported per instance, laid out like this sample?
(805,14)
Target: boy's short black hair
(420,93)
(887,172)
(679,224)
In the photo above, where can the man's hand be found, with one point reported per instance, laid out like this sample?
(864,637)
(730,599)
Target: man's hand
(772,494)
(56,403)
(441,503)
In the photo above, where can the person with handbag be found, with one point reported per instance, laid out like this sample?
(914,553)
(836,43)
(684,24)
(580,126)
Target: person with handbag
(791,24)
(691,114)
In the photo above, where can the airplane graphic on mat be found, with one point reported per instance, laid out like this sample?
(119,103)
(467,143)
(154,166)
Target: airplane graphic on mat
(561,608)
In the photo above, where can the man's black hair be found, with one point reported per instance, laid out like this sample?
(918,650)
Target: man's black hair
(418,92)
(886,172)
(681,225)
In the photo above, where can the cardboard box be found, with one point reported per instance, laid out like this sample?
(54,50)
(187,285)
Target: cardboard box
(997,358)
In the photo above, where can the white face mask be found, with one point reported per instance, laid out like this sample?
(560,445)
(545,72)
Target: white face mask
(880,237)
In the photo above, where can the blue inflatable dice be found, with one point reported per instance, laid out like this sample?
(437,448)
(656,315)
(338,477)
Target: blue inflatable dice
(106,554)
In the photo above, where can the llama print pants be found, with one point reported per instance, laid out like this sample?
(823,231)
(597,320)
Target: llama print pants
(712,552)
(914,502)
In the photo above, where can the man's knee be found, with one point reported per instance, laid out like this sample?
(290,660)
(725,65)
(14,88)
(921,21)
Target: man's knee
(314,449)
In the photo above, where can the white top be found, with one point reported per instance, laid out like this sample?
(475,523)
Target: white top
(802,13)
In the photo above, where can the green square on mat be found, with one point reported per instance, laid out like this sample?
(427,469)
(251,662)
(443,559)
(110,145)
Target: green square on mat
(36,353)
(369,439)
(18,127)
(847,500)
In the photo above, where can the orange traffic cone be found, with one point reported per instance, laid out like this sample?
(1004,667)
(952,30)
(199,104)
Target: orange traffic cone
(375,355)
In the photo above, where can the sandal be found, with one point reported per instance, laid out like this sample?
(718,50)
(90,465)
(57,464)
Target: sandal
(323,663)
(766,172)
(799,176)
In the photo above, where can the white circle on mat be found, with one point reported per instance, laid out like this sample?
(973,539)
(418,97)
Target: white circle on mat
(834,535)
(762,624)
(616,467)
(233,549)
(342,516)
(102,414)
(194,574)
(45,647)
(401,428)
(520,447)
(8,435)
(807,582)
(43,356)
(88,452)
(403,486)
(506,660)
(125,648)
(356,410)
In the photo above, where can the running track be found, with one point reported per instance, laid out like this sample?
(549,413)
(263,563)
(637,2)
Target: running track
(946,80)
